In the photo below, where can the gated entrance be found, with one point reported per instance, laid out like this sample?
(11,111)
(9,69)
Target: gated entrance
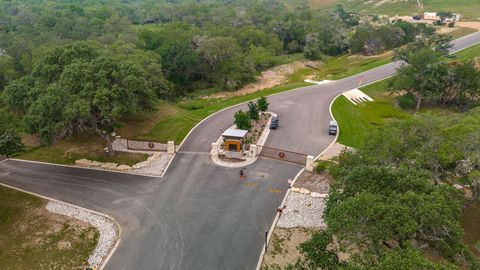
(284,155)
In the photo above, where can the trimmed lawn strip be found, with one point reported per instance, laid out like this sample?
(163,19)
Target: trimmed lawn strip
(33,238)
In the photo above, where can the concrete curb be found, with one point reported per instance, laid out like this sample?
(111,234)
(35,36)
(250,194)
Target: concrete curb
(83,168)
(261,141)
(275,221)
(238,104)
(117,243)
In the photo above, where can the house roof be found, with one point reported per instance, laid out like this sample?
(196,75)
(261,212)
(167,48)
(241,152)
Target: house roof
(233,132)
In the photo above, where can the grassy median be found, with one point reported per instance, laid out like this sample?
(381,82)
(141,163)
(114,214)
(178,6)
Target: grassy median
(33,238)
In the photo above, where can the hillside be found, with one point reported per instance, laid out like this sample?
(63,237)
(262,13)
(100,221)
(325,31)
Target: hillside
(468,8)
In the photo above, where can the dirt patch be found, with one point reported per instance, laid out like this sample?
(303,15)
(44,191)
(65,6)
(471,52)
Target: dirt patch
(283,248)
(31,237)
(315,182)
(269,78)
(474,25)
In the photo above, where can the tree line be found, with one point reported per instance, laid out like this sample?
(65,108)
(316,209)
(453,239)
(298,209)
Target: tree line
(68,68)
(392,201)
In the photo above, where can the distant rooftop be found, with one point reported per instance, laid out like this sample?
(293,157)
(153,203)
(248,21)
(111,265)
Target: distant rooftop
(233,132)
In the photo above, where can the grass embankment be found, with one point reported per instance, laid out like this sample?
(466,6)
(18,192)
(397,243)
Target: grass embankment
(461,32)
(356,121)
(33,238)
(67,151)
(336,68)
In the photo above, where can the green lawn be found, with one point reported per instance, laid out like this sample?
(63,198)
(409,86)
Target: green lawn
(345,66)
(185,115)
(468,54)
(67,151)
(33,238)
(356,121)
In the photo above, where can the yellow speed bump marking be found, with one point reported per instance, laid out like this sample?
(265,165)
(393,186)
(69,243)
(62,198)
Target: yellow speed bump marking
(251,185)
(256,187)
(274,190)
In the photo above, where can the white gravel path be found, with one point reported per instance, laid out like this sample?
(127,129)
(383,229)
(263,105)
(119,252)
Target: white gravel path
(302,210)
(106,227)
(157,166)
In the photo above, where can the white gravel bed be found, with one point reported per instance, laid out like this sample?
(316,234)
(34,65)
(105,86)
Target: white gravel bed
(107,228)
(157,166)
(302,210)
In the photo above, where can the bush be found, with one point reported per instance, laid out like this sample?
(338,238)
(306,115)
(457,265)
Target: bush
(407,101)
(451,24)
(323,165)
(242,120)
(253,110)
(262,104)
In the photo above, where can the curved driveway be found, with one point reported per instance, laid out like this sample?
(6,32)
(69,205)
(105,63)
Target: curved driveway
(199,215)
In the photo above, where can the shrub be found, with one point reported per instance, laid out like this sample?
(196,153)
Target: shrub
(323,165)
(451,24)
(262,104)
(253,110)
(242,120)
(407,101)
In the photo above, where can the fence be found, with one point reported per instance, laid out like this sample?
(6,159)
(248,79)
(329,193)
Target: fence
(120,144)
(284,155)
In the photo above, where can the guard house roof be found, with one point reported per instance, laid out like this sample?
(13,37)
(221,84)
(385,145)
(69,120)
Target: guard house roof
(235,133)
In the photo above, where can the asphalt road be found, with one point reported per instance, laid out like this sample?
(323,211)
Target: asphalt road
(199,215)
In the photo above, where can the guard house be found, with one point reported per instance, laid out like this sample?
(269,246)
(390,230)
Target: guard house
(234,139)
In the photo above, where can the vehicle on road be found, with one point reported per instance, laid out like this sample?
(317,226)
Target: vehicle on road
(332,128)
(274,122)
(417,17)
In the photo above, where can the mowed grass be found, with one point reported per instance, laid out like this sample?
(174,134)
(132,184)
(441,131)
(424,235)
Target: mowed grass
(468,8)
(381,7)
(183,116)
(68,150)
(356,121)
(468,54)
(461,32)
(33,238)
(344,66)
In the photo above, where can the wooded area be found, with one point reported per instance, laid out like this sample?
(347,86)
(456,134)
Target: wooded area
(78,67)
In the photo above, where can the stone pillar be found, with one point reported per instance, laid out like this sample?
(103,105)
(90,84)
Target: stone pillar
(171,147)
(253,150)
(310,163)
(215,150)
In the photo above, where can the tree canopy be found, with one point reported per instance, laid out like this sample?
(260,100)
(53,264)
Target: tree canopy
(77,88)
